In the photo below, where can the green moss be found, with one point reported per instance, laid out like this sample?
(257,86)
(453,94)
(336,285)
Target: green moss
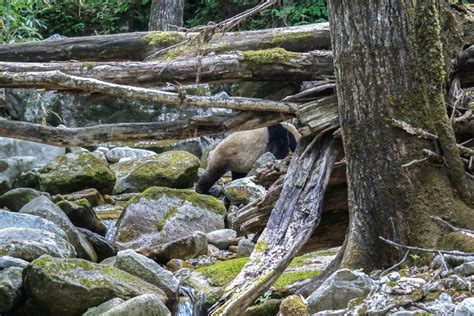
(169,213)
(288,278)
(355,302)
(221,273)
(83,202)
(261,246)
(172,53)
(268,56)
(431,296)
(89,64)
(293,305)
(457,241)
(417,294)
(302,261)
(163,38)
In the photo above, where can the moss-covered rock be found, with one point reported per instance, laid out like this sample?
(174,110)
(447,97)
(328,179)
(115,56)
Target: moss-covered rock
(81,214)
(457,241)
(160,215)
(16,198)
(10,288)
(75,172)
(293,305)
(71,286)
(174,169)
(243,191)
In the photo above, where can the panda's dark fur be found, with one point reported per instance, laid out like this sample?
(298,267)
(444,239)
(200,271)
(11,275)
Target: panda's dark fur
(239,151)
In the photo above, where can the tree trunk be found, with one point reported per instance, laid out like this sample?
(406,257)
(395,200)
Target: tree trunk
(389,65)
(166,15)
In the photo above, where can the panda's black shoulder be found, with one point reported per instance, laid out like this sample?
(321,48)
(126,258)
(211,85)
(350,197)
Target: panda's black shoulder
(279,140)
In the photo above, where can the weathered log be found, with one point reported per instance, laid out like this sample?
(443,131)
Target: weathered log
(318,115)
(57,80)
(137,46)
(292,222)
(267,65)
(87,136)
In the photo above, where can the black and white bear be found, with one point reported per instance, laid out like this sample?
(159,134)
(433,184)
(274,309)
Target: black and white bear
(239,151)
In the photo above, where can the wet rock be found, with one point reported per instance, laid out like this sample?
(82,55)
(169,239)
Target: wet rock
(10,288)
(104,307)
(243,191)
(466,269)
(206,295)
(117,153)
(221,238)
(294,305)
(19,220)
(7,262)
(148,270)
(16,198)
(213,250)
(465,308)
(103,247)
(11,168)
(341,287)
(143,305)
(162,215)
(29,244)
(43,207)
(174,169)
(183,248)
(262,161)
(81,214)
(91,195)
(75,172)
(12,147)
(245,247)
(71,286)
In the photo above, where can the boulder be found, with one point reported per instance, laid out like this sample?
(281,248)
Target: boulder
(117,153)
(71,286)
(7,262)
(11,168)
(174,169)
(12,147)
(103,248)
(104,307)
(243,191)
(75,172)
(143,305)
(19,220)
(465,308)
(341,287)
(186,247)
(148,270)
(191,145)
(43,207)
(29,244)
(15,199)
(81,214)
(10,288)
(221,238)
(294,305)
(160,215)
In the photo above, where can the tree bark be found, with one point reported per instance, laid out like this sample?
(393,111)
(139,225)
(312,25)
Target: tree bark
(137,46)
(166,15)
(390,65)
(235,66)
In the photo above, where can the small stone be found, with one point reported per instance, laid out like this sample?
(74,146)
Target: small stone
(104,307)
(82,215)
(176,264)
(243,191)
(465,308)
(213,250)
(455,282)
(245,247)
(221,238)
(234,249)
(294,305)
(183,248)
(7,262)
(10,288)
(103,248)
(466,269)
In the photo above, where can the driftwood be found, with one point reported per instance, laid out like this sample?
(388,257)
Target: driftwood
(86,136)
(137,46)
(254,66)
(292,222)
(59,81)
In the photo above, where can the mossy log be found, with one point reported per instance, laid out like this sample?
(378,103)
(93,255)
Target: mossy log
(261,65)
(137,46)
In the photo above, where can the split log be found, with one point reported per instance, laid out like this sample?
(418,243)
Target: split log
(137,46)
(93,135)
(266,65)
(57,80)
(292,222)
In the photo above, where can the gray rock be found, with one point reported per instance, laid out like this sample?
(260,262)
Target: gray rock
(81,214)
(7,262)
(103,248)
(29,244)
(191,145)
(43,207)
(243,191)
(221,238)
(12,147)
(293,305)
(262,161)
(245,247)
(117,153)
(183,248)
(75,172)
(148,270)
(173,169)
(104,307)
(161,215)
(143,305)
(71,286)
(205,294)
(19,220)
(16,198)
(465,308)
(10,288)
(11,168)
(341,287)
(443,305)
(409,313)
(465,269)
(455,282)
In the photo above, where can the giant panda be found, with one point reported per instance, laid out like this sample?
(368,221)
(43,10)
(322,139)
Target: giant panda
(239,151)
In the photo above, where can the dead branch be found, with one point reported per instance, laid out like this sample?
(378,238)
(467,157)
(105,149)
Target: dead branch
(452,227)
(418,249)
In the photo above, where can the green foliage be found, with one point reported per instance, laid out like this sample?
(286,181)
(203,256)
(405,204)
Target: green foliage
(18,21)
(286,13)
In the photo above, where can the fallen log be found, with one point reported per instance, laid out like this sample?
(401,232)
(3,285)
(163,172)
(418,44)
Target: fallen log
(292,222)
(264,65)
(137,46)
(93,135)
(56,80)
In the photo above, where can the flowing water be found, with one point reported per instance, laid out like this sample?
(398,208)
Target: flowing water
(186,301)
